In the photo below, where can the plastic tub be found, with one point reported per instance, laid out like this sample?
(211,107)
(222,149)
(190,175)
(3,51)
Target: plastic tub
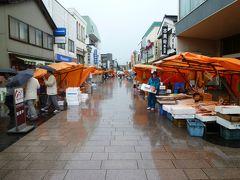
(195,127)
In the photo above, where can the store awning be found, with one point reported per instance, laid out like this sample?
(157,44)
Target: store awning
(33,61)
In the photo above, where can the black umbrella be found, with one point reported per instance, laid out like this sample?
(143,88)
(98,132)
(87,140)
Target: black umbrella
(9,71)
(21,78)
(48,68)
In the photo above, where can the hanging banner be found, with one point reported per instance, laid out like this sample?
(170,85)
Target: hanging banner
(164,40)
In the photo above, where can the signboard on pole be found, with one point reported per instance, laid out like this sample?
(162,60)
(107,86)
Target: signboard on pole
(19,106)
(164,40)
(20,116)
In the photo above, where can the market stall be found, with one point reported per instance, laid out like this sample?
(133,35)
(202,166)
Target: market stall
(197,71)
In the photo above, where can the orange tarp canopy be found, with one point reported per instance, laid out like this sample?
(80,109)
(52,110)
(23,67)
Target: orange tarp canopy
(97,72)
(86,72)
(67,74)
(144,72)
(196,62)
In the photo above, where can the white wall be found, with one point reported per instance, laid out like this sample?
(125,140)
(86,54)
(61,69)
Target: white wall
(80,43)
(199,46)
(153,38)
(63,18)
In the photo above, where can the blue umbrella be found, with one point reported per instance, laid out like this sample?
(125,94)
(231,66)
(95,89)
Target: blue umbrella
(8,71)
(21,78)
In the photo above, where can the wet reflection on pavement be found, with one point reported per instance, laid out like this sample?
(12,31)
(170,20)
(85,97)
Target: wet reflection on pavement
(113,136)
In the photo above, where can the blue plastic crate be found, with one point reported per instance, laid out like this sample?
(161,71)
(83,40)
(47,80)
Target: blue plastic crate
(177,86)
(161,111)
(195,127)
(169,116)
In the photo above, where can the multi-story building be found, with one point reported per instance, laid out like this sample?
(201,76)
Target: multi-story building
(26,39)
(149,49)
(209,27)
(167,37)
(135,59)
(63,19)
(107,61)
(81,47)
(93,42)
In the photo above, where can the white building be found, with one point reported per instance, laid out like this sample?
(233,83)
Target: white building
(81,27)
(63,19)
(149,49)
(169,38)
(93,42)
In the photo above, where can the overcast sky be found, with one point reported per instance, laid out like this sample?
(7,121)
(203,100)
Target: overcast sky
(122,23)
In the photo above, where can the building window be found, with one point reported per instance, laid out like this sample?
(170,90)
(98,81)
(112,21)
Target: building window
(62,46)
(70,45)
(50,42)
(45,40)
(82,33)
(14,28)
(26,33)
(32,35)
(78,31)
(187,6)
(39,38)
(23,33)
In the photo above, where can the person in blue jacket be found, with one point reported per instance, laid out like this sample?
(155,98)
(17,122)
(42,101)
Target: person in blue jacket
(155,82)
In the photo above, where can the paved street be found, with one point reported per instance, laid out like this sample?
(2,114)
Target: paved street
(113,137)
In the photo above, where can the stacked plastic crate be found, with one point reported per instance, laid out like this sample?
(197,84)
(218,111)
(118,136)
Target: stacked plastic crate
(73,96)
(229,119)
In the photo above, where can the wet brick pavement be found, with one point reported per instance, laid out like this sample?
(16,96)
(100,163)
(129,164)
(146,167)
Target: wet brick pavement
(114,137)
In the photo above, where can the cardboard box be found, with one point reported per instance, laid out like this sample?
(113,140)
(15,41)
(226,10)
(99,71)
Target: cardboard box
(148,88)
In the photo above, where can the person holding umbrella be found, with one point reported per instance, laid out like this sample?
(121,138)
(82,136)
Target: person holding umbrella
(51,84)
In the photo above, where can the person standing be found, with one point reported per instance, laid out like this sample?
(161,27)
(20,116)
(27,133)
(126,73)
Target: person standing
(51,84)
(32,87)
(155,82)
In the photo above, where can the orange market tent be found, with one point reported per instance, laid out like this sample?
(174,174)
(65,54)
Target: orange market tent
(67,74)
(166,74)
(86,72)
(190,62)
(98,72)
(144,72)
(195,62)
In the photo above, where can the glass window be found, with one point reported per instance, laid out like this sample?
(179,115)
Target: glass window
(45,40)
(62,46)
(70,45)
(14,28)
(32,35)
(23,31)
(38,37)
(50,42)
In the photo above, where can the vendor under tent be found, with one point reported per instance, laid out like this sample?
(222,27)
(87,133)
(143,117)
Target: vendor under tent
(206,68)
(144,72)
(67,74)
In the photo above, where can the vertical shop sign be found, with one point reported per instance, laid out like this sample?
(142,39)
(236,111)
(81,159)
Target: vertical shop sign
(164,39)
(95,56)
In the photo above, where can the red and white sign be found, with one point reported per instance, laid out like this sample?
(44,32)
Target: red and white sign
(18,95)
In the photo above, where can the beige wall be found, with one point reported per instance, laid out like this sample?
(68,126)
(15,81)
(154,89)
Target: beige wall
(199,46)
(29,13)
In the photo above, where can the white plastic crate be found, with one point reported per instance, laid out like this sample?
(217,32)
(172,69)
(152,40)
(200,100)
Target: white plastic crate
(228,109)
(228,124)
